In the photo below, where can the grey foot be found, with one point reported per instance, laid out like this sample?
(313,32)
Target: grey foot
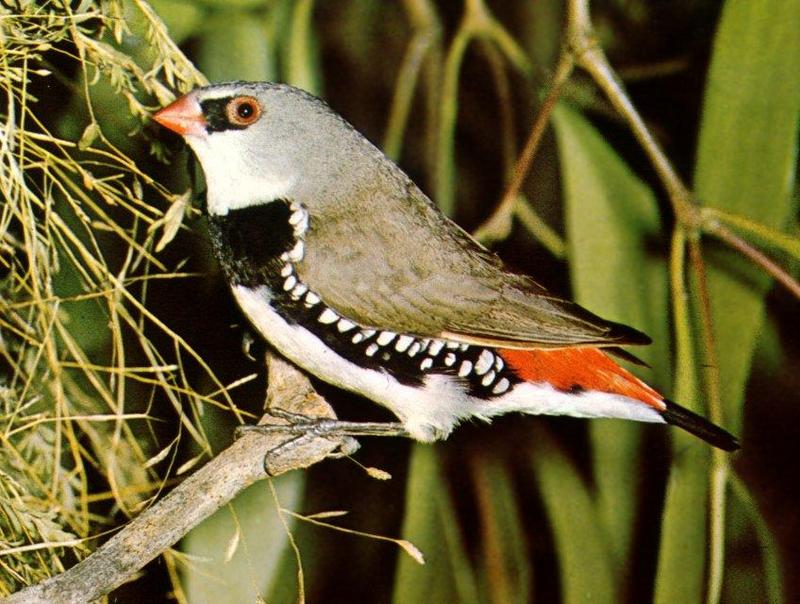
(319,426)
(308,428)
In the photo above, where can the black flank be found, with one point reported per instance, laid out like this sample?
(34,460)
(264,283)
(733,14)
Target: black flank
(248,242)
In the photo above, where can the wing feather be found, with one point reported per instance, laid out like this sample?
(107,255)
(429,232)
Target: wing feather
(396,263)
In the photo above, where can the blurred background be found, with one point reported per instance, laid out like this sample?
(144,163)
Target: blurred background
(126,365)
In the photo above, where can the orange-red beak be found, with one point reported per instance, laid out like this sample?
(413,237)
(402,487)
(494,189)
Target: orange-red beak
(184,116)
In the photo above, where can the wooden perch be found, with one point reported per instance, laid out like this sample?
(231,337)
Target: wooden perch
(250,458)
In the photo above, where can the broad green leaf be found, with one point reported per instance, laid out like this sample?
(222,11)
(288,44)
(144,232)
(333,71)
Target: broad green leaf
(182,17)
(584,555)
(682,551)
(745,165)
(612,224)
(430,523)
(301,66)
(505,563)
(241,5)
(236,552)
(236,45)
(746,162)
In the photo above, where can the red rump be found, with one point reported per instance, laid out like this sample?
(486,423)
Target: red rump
(582,368)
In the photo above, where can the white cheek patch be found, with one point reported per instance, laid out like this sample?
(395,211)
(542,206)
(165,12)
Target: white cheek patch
(235,178)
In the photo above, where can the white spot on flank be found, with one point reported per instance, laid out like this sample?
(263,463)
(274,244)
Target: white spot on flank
(299,290)
(465,368)
(296,253)
(385,337)
(312,299)
(501,386)
(484,362)
(435,347)
(286,270)
(371,349)
(464,347)
(415,348)
(403,342)
(498,362)
(450,359)
(358,338)
(297,216)
(344,325)
(328,316)
(368,333)
(488,378)
(452,345)
(290,282)
(427,363)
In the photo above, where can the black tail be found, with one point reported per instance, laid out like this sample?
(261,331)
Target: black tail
(699,426)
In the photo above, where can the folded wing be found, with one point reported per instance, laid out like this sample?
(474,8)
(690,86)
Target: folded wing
(398,264)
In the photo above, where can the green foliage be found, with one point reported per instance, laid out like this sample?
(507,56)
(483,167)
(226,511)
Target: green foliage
(72,380)
(108,392)
(613,229)
(430,523)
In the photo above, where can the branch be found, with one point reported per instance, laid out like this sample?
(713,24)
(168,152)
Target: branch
(756,257)
(498,225)
(252,457)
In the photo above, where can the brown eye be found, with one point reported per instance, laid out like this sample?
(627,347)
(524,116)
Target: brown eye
(243,111)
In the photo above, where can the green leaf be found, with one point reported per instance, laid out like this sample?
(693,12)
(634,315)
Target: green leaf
(302,65)
(237,551)
(746,163)
(237,45)
(430,523)
(506,566)
(682,552)
(585,564)
(182,17)
(613,231)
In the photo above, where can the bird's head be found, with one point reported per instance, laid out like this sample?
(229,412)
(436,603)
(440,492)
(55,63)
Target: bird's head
(261,141)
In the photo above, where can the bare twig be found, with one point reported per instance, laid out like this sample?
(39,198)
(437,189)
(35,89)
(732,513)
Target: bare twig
(590,56)
(718,472)
(477,22)
(424,45)
(756,257)
(252,457)
(498,225)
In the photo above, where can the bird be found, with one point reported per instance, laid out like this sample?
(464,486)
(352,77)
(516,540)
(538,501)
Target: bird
(353,274)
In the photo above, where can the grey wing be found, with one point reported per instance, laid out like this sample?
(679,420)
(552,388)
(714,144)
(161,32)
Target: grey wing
(398,264)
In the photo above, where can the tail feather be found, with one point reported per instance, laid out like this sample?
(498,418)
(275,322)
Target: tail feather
(699,426)
(578,369)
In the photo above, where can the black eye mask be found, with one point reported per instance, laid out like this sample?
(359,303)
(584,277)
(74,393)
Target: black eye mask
(216,115)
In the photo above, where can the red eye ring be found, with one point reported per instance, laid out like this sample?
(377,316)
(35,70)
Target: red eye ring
(243,110)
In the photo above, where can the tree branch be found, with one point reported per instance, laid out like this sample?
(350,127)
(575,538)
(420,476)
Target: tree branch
(252,457)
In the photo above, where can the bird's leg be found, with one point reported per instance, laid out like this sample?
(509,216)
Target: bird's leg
(347,446)
(323,426)
(307,428)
